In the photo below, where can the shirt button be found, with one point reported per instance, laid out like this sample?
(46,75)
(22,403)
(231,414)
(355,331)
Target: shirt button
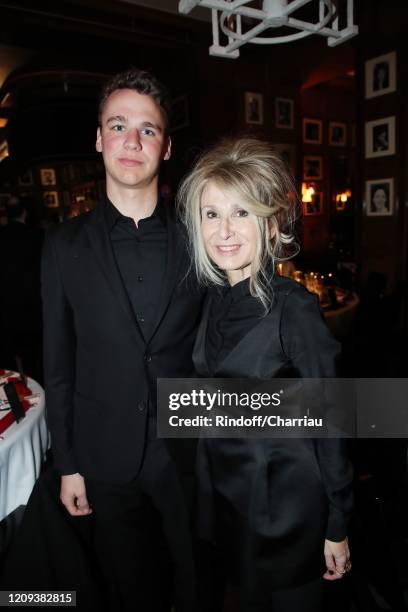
(148,358)
(140,319)
(141,406)
(140,278)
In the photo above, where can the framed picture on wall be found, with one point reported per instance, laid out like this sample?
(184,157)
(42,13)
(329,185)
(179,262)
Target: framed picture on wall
(48,176)
(51,199)
(253,108)
(337,134)
(312,131)
(380,197)
(312,167)
(380,137)
(4,198)
(284,113)
(180,114)
(315,207)
(25,179)
(381,75)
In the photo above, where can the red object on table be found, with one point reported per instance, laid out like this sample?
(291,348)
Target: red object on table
(22,391)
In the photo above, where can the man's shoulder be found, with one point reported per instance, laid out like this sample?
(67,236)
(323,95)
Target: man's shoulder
(72,227)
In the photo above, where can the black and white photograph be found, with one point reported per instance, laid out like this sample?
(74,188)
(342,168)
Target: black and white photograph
(253,108)
(48,176)
(380,197)
(25,179)
(380,137)
(51,199)
(380,75)
(312,167)
(284,113)
(337,134)
(315,207)
(312,131)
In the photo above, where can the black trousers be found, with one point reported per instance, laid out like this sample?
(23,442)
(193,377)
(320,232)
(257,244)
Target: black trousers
(304,598)
(216,592)
(142,536)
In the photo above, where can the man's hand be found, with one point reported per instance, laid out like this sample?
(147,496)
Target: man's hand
(73,495)
(337,557)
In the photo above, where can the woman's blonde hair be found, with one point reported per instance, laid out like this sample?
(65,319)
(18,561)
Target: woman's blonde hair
(250,170)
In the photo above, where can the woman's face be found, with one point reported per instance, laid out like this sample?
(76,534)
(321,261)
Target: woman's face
(380,199)
(229,232)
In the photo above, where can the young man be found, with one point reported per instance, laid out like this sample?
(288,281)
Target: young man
(119,312)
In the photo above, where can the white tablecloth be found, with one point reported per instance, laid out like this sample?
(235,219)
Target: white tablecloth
(22,450)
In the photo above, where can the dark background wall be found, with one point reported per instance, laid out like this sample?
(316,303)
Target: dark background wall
(74,46)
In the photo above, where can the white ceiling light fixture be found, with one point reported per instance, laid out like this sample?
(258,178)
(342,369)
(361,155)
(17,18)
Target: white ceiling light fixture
(228,17)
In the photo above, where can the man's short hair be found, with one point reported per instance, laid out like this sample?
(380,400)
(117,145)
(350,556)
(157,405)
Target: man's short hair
(142,82)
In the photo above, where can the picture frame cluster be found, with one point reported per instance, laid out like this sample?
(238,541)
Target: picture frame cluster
(380,134)
(284,115)
(313,132)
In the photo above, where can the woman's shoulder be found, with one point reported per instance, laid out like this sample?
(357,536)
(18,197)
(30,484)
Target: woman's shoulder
(284,287)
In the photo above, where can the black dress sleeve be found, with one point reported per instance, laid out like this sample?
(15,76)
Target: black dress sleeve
(313,352)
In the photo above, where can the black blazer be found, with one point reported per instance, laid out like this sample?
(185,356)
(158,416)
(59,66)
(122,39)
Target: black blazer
(99,370)
(278,499)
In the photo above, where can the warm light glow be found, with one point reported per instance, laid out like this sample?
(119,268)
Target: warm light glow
(307,192)
(6,101)
(4,150)
(344,196)
(3,122)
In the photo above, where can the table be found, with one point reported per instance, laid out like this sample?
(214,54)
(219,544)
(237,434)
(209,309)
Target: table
(22,450)
(340,320)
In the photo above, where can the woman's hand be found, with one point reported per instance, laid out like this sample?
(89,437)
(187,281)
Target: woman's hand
(337,557)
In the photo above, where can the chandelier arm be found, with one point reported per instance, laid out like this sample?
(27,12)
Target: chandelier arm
(294,6)
(252,35)
(279,39)
(310,27)
(324,31)
(238,7)
(276,15)
(240,39)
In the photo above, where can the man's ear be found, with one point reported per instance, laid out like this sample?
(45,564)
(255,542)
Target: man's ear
(98,145)
(167,149)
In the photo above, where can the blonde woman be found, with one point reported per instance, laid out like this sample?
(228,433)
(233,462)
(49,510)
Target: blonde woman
(276,510)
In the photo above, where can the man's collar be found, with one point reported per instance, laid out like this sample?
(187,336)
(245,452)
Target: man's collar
(112,214)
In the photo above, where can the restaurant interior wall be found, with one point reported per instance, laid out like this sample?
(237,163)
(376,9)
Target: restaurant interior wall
(384,238)
(111,35)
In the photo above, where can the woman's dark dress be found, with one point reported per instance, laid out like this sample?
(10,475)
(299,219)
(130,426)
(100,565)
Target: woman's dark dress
(269,504)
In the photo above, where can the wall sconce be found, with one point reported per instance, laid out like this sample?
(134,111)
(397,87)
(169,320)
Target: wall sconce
(4,150)
(342,199)
(307,192)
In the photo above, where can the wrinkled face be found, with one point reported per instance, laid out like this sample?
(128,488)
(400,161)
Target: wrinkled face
(229,232)
(380,198)
(132,140)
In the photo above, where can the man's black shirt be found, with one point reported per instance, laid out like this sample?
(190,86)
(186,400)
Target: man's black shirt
(140,253)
